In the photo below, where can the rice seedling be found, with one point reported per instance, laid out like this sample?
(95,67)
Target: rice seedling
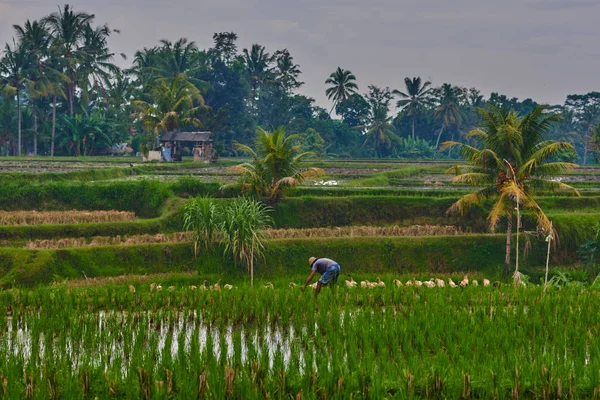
(121,338)
(62,217)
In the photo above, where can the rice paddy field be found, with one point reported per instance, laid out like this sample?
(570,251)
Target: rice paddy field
(102,294)
(132,341)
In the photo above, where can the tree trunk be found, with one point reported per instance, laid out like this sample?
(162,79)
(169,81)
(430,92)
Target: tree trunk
(508,248)
(549,238)
(19,124)
(35,128)
(452,140)
(53,126)
(437,142)
(413,126)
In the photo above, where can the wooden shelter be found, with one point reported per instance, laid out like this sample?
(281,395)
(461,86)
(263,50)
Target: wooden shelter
(200,143)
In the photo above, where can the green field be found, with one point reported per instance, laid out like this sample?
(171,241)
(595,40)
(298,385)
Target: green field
(112,336)
(110,340)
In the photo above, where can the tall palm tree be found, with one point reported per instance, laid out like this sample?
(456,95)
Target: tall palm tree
(414,98)
(36,38)
(258,67)
(94,60)
(511,160)
(174,103)
(177,58)
(342,86)
(448,111)
(275,165)
(68,29)
(14,77)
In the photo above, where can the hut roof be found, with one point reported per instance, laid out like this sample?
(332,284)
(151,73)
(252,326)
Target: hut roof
(187,137)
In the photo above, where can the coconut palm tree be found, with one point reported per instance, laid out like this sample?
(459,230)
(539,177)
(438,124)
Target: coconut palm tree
(175,103)
(94,61)
(177,58)
(414,98)
(258,67)
(14,77)
(275,165)
(36,38)
(448,111)
(68,29)
(510,161)
(342,86)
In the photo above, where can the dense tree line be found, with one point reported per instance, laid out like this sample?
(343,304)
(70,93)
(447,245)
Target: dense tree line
(63,94)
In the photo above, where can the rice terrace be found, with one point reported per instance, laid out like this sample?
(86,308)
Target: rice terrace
(189,224)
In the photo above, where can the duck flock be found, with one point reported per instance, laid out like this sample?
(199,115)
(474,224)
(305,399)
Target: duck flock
(433,282)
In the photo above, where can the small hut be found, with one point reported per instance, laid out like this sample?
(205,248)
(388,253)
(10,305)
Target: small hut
(200,144)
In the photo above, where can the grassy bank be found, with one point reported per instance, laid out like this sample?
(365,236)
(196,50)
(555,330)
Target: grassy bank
(441,254)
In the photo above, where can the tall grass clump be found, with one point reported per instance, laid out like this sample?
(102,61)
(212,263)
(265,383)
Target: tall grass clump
(243,228)
(238,225)
(202,216)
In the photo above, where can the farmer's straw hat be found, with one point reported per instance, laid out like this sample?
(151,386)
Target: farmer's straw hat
(312,260)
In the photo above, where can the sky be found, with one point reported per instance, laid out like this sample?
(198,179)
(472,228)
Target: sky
(543,49)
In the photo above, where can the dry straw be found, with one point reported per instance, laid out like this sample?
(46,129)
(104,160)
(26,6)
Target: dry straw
(62,217)
(178,237)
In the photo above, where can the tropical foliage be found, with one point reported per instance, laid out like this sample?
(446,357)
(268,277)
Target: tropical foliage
(275,165)
(509,161)
(61,65)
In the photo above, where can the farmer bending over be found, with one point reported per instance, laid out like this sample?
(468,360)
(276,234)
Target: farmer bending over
(329,270)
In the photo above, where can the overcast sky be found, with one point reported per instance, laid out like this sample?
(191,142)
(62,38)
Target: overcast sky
(544,49)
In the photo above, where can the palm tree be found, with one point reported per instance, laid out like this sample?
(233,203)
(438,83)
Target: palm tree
(275,165)
(177,58)
(94,61)
(257,62)
(68,29)
(379,130)
(511,161)
(414,98)
(14,77)
(174,104)
(342,86)
(448,111)
(36,38)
